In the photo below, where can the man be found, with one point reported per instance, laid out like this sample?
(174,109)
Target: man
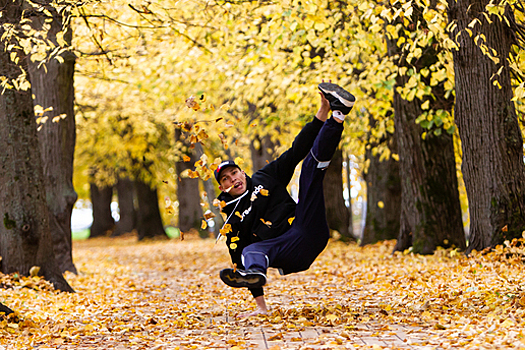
(268,229)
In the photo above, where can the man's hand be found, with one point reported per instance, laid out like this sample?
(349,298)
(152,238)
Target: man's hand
(261,308)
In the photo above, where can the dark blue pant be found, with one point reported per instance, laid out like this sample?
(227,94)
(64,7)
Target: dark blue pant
(298,247)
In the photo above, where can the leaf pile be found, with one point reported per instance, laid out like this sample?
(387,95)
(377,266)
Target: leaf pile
(167,295)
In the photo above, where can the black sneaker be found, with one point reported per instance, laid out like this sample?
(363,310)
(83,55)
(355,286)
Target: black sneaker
(340,99)
(243,278)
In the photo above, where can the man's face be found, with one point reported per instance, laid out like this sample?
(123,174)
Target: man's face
(233,181)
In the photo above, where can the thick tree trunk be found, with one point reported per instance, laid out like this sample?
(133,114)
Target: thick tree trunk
(149,221)
(127,212)
(431,211)
(337,213)
(25,237)
(103,222)
(383,185)
(490,134)
(188,194)
(52,86)
(430,197)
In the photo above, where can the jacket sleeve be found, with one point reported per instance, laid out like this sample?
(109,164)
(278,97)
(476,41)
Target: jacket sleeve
(282,168)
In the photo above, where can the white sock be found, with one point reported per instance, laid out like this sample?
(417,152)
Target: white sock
(338,115)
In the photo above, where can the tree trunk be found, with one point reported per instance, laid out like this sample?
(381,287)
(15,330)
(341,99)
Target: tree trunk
(188,194)
(383,185)
(337,214)
(52,86)
(260,149)
(4,311)
(127,212)
(210,196)
(103,222)
(490,134)
(149,221)
(25,237)
(431,211)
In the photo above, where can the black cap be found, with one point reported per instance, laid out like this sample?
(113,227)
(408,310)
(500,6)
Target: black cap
(222,166)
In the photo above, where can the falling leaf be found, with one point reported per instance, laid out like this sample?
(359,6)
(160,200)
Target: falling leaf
(380,204)
(267,223)
(185,158)
(191,103)
(505,228)
(290,220)
(238,214)
(264,192)
(226,229)
(235,239)
(209,215)
(233,246)
(204,225)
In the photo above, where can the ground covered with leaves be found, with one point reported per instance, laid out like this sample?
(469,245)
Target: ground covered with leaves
(167,295)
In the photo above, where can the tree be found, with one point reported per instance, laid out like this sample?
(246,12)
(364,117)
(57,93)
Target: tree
(25,237)
(431,212)
(103,222)
(491,139)
(188,194)
(52,86)
(337,214)
(126,204)
(149,221)
(383,192)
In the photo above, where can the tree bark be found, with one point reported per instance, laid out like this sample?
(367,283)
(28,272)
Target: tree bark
(431,212)
(383,184)
(127,212)
(209,187)
(103,222)
(149,221)
(491,139)
(52,86)
(25,237)
(337,214)
(188,194)
(260,149)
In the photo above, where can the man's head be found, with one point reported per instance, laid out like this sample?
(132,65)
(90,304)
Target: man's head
(231,178)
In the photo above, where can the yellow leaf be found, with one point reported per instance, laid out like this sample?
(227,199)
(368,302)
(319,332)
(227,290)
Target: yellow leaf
(233,246)
(185,158)
(226,229)
(238,214)
(380,204)
(290,220)
(267,223)
(235,239)
(507,323)
(264,192)
(204,224)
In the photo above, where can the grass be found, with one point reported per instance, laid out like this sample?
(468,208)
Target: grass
(171,231)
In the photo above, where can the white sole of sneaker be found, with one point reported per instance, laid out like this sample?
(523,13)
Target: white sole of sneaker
(343,100)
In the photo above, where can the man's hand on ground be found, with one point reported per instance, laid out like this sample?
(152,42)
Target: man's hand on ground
(261,308)
(257,311)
